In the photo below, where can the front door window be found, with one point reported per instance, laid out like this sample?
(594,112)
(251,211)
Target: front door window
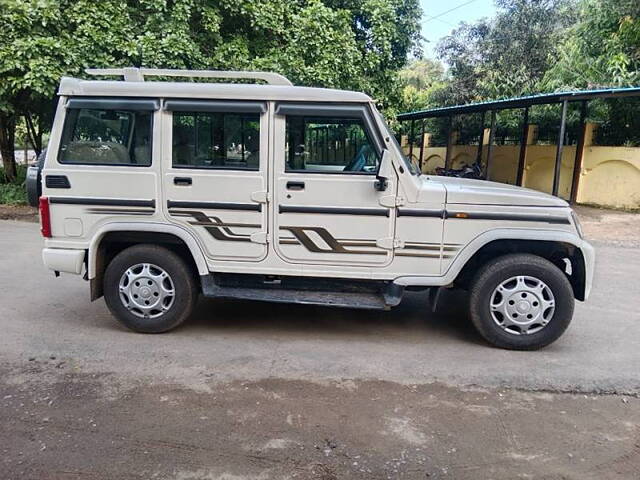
(329,145)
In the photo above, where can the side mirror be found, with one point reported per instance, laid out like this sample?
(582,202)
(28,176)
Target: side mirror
(381,183)
(384,171)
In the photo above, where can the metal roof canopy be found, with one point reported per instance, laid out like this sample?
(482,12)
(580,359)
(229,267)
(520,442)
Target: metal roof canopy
(520,102)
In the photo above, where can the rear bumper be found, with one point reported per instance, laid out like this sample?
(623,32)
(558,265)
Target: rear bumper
(63,259)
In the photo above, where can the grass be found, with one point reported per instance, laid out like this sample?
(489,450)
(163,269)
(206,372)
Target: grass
(13,193)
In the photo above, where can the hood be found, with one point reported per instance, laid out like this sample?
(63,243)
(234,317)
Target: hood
(481,192)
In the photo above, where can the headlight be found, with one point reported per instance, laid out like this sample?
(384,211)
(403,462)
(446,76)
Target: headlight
(576,222)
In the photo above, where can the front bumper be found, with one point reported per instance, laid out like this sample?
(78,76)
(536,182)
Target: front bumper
(63,259)
(589,255)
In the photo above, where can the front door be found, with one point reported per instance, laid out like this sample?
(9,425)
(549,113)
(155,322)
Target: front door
(214,174)
(327,208)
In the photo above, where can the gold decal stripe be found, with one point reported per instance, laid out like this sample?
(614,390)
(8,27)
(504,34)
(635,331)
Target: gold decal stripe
(335,246)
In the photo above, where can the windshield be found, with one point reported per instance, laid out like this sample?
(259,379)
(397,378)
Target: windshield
(389,133)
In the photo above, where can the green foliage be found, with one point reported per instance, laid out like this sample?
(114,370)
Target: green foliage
(618,121)
(356,44)
(601,49)
(420,80)
(534,46)
(505,56)
(349,44)
(19,180)
(422,74)
(13,192)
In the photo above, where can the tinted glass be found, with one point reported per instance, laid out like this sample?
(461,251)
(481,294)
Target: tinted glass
(106,137)
(216,140)
(329,145)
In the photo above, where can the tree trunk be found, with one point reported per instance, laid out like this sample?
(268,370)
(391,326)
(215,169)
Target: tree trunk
(34,134)
(7,149)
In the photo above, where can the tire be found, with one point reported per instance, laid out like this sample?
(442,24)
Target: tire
(146,265)
(34,180)
(540,291)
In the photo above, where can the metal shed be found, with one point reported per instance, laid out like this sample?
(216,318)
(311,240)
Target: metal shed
(579,101)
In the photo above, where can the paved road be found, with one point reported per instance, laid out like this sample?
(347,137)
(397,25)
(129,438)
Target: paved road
(258,391)
(41,316)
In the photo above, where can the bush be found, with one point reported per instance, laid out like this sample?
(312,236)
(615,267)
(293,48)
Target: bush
(22,174)
(13,193)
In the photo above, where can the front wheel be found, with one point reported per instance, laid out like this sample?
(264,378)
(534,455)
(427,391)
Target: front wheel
(149,289)
(521,302)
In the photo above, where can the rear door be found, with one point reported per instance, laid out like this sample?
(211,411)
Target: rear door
(102,164)
(214,174)
(327,209)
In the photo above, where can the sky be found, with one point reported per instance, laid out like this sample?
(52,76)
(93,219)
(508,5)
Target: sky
(450,13)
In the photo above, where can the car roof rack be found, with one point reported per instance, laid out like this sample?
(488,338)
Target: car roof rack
(132,74)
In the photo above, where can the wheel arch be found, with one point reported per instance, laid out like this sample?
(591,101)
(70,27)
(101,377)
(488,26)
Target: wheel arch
(550,244)
(113,238)
(566,256)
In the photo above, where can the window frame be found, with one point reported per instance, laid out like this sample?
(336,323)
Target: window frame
(186,106)
(335,111)
(151,105)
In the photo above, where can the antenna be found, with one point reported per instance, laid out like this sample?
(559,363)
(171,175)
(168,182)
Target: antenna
(131,74)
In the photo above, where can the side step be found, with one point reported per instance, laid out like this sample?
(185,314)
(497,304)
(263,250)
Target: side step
(372,296)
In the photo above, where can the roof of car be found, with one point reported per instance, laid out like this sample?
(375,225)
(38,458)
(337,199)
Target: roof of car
(236,91)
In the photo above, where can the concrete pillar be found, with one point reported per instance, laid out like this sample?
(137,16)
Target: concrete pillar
(589,133)
(532,134)
(486,135)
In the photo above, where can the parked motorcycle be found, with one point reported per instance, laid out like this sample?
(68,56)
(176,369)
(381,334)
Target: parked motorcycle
(468,171)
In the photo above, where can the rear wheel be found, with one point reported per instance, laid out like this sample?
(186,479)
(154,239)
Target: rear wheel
(149,289)
(521,302)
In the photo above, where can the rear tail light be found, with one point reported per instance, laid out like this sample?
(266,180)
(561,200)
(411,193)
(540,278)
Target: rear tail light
(45,217)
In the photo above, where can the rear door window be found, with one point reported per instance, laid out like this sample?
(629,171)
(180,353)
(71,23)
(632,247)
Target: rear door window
(95,136)
(216,140)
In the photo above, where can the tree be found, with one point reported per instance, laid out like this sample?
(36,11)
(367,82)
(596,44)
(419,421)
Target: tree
(352,44)
(422,73)
(39,43)
(602,49)
(505,56)
(420,81)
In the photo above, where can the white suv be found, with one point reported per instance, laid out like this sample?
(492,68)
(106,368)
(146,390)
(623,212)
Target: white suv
(161,190)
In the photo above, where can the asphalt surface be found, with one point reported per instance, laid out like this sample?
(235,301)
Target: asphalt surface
(41,316)
(251,391)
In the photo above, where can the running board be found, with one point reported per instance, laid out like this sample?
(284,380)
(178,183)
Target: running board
(384,298)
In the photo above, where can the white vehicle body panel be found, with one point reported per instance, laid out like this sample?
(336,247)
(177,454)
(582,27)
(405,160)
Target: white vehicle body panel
(472,192)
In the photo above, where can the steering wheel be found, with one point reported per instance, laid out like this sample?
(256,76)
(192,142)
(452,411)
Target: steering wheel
(358,162)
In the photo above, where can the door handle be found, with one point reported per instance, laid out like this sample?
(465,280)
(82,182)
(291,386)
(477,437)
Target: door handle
(295,185)
(182,181)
